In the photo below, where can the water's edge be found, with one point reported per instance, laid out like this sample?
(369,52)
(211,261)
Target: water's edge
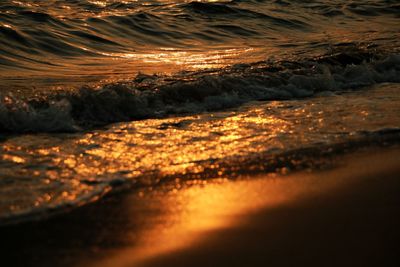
(315,159)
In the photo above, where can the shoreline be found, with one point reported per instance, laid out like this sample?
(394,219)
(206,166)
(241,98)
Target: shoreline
(347,218)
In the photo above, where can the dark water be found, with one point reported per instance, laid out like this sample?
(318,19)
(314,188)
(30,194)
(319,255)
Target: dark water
(174,76)
(74,42)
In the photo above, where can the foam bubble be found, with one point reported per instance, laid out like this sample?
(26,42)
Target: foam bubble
(192,92)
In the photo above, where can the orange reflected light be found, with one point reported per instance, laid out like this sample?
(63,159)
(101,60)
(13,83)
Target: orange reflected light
(188,59)
(189,215)
(174,151)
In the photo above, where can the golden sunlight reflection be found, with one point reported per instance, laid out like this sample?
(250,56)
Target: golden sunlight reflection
(166,58)
(188,215)
(168,149)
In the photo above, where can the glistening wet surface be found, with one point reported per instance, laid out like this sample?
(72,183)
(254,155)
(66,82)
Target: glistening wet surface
(65,44)
(233,223)
(48,172)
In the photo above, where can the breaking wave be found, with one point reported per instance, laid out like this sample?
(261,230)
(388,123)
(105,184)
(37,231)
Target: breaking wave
(155,96)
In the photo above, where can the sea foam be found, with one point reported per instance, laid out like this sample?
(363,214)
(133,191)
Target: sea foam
(151,96)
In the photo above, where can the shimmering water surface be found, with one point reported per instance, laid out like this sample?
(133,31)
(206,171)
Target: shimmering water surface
(43,173)
(95,94)
(55,42)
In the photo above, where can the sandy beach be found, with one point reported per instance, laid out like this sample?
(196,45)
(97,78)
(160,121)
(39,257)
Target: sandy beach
(345,216)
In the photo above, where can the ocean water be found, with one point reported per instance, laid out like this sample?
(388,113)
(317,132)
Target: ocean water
(98,95)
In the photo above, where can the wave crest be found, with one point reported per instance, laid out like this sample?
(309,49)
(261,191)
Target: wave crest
(151,96)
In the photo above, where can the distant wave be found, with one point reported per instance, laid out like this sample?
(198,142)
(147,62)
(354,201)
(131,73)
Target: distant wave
(152,96)
(46,34)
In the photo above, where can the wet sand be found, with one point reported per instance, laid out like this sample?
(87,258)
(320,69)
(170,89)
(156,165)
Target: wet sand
(345,216)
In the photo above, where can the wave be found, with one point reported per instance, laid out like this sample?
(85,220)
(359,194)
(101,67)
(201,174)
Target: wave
(155,96)
(212,9)
(35,35)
